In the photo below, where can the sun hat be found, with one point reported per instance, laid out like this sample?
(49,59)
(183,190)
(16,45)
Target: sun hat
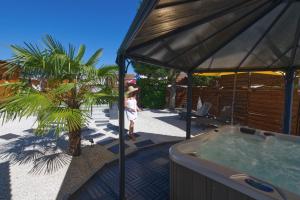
(131,89)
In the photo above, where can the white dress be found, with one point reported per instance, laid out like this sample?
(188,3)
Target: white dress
(132,113)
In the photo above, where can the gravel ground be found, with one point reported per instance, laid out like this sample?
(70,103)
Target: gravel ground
(21,178)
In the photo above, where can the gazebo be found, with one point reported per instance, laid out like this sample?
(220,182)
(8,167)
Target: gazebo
(212,36)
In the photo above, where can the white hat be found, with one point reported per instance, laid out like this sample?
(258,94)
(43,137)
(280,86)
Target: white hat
(131,89)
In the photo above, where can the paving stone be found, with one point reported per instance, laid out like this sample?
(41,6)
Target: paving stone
(102,121)
(107,141)
(144,143)
(9,136)
(97,135)
(129,138)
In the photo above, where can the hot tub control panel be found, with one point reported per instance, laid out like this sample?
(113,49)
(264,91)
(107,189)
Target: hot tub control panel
(259,185)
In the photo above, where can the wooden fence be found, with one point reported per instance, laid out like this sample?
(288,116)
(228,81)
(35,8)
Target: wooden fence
(6,78)
(260,107)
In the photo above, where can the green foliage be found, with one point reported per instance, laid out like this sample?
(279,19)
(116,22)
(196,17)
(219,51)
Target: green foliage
(156,75)
(152,93)
(151,71)
(203,80)
(71,86)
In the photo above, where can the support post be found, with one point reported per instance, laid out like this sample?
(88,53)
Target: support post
(121,63)
(189,100)
(233,98)
(288,100)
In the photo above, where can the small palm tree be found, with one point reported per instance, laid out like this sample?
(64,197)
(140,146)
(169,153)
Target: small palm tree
(58,87)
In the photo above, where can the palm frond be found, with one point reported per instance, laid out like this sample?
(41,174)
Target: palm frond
(88,73)
(71,52)
(30,59)
(9,69)
(94,59)
(105,71)
(61,119)
(24,105)
(13,88)
(98,98)
(54,45)
(63,88)
(80,53)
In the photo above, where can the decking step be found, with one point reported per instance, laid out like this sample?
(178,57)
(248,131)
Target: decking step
(147,177)
(115,148)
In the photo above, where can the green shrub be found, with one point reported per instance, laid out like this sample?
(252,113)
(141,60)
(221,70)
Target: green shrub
(203,80)
(152,93)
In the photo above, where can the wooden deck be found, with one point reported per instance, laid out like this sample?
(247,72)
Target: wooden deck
(147,177)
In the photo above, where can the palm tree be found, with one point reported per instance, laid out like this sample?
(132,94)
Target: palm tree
(66,90)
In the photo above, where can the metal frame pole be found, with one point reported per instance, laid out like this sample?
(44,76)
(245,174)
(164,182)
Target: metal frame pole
(189,100)
(288,101)
(121,129)
(233,97)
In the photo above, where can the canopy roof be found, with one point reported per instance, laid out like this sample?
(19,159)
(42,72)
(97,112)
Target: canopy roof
(272,73)
(216,35)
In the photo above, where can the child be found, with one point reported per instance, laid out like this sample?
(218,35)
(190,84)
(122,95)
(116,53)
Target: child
(131,109)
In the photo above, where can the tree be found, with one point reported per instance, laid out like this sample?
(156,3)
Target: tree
(67,88)
(156,72)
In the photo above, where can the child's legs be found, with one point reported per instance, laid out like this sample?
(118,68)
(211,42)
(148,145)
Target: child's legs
(131,127)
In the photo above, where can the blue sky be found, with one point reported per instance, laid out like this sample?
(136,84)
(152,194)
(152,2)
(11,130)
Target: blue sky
(95,23)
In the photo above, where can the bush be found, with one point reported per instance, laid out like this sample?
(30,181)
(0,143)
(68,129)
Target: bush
(203,80)
(152,93)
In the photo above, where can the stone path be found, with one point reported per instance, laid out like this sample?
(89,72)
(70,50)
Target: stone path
(101,120)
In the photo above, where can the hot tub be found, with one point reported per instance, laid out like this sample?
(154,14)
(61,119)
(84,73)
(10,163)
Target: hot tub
(236,163)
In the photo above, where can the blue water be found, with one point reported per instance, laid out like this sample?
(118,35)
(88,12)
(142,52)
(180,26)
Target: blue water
(270,159)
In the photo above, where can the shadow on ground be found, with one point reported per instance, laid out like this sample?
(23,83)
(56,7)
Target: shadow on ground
(177,122)
(45,153)
(83,167)
(5,184)
(160,138)
(163,111)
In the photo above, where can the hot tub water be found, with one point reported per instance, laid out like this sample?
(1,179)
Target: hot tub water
(271,159)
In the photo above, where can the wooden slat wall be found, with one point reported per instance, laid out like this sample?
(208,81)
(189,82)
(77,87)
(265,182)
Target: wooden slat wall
(6,78)
(5,92)
(266,109)
(258,108)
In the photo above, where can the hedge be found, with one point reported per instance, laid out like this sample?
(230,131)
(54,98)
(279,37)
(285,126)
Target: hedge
(152,93)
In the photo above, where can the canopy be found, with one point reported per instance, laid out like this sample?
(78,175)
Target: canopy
(216,35)
(232,73)
(212,36)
